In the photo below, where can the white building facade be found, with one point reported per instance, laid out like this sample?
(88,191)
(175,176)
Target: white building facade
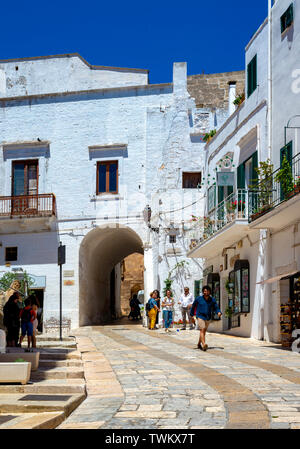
(250,238)
(105,163)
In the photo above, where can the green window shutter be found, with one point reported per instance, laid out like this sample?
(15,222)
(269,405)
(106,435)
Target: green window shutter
(288,152)
(287,18)
(252,75)
(254,175)
(229,190)
(220,194)
(241,176)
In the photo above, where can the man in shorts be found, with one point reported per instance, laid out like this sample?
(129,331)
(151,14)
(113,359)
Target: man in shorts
(27,316)
(203,307)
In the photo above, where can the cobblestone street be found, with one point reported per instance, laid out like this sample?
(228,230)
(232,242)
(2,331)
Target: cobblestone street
(151,380)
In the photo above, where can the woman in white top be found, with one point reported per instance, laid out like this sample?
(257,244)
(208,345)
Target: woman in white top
(167,307)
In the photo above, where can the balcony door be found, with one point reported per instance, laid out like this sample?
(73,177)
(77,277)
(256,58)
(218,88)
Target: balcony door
(24,187)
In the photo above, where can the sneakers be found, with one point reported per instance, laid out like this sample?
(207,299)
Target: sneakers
(205,347)
(199,346)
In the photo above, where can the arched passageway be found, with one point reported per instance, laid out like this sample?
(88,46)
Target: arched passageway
(101,251)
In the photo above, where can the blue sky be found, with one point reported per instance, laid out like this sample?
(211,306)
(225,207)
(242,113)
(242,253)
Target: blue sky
(209,35)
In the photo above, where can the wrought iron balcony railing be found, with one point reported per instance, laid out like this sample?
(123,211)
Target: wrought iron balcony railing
(270,191)
(42,205)
(234,207)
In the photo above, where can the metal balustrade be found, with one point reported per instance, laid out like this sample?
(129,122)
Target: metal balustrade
(269,192)
(42,205)
(234,207)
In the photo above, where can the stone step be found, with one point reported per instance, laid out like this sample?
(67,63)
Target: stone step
(45,420)
(65,386)
(52,344)
(48,363)
(38,403)
(45,337)
(64,372)
(60,355)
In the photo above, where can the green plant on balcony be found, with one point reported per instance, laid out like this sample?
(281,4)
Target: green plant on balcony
(239,99)
(285,177)
(265,171)
(297,185)
(228,312)
(231,206)
(208,136)
(207,226)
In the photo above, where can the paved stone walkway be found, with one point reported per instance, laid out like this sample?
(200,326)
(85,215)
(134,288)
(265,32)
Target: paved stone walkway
(155,380)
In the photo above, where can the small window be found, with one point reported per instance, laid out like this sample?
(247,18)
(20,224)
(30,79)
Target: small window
(252,76)
(107,177)
(11,254)
(191,180)
(172,238)
(287,18)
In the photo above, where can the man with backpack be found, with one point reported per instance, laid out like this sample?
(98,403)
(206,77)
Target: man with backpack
(27,316)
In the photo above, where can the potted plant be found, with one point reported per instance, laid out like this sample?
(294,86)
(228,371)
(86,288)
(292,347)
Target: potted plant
(297,185)
(208,136)
(239,99)
(229,287)
(285,177)
(231,208)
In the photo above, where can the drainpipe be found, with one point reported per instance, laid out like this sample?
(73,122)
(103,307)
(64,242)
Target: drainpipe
(269,79)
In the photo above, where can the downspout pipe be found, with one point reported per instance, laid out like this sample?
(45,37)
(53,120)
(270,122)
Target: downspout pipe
(269,79)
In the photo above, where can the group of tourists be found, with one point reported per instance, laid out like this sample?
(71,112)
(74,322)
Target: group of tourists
(203,307)
(18,314)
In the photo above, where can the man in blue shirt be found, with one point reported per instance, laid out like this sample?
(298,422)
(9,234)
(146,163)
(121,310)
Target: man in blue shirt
(203,307)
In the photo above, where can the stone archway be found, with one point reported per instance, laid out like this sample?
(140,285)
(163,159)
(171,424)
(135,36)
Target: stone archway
(100,252)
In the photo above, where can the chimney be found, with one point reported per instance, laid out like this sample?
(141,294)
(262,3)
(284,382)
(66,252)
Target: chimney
(231,97)
(180,79)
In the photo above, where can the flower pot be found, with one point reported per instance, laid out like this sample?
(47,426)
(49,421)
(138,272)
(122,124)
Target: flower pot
(15,372)
(32,357)
(297,189)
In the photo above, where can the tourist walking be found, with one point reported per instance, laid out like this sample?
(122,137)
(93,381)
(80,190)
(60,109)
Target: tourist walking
(153,310)
(11,320)
(35,305)
(27,316)
(203,307)
(185,301)
(158,305)
(167,308)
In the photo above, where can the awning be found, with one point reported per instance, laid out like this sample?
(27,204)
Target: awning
(277,278)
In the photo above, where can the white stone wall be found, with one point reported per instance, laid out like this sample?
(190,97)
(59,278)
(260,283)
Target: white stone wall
(148,131)
(65,73)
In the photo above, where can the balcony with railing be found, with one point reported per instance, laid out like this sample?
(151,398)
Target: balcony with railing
(275,201)
(225,224)
(42,205)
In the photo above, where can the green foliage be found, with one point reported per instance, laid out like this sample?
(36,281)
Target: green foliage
(7,279)
(208,136)
(228,312)
(239,99)
(20,360)
(177,267)
(285,177)
(229,287)
(168,285)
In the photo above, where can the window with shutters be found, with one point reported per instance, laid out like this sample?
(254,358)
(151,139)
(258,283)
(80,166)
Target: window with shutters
(252,76)
(287,18)
(172,238)
(191,180)
(107,177)
(24,178)
(246,173)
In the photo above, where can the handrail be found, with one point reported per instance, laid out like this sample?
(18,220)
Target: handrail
(28,205)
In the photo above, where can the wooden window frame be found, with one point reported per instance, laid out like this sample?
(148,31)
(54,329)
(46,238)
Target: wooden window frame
(10,248)
(288,14)
(191,173)
(26,162)
(172,239)
(107,191)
